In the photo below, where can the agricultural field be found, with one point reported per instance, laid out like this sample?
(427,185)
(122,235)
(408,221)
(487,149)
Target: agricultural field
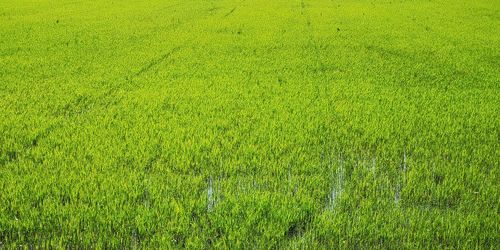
(237,124)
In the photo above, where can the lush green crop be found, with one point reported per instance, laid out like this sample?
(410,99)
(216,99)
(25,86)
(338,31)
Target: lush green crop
(250,124)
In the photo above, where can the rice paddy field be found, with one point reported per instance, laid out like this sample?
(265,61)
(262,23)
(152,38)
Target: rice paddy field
(249,124)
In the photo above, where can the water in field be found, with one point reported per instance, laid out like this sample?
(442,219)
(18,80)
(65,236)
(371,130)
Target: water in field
(210,195)
(337,187)
(399,185)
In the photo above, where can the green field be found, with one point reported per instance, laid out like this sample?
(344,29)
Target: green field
(250,124)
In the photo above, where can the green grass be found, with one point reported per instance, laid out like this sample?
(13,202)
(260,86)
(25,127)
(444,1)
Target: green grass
(250,124)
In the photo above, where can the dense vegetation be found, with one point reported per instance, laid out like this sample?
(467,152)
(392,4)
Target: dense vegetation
(249,123)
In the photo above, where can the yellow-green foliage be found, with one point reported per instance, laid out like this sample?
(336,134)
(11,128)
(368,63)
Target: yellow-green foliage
(249,124)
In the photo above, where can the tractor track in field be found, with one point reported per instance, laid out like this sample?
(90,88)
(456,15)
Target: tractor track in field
(72,108)
(129,79)
(313,43)
(302,7)
(169,7)
(108,97)
(14,155)
(152,63)
(230,12)
(233,9)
